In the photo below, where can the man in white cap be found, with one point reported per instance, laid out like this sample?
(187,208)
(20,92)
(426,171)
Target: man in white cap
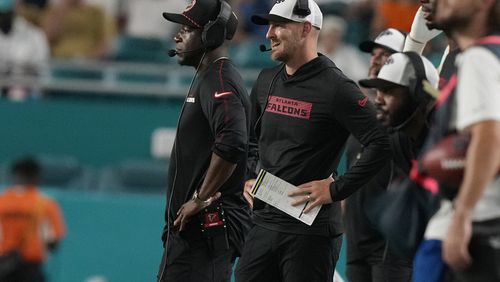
(303,110)
(402,107)
(396,99)
(388,42)
(365,246)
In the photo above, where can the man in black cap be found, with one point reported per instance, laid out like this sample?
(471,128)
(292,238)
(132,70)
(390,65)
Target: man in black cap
(206,216)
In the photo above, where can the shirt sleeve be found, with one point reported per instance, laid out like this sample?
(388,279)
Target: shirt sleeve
(478,97)
(356,113)
(55,218)
(222,105)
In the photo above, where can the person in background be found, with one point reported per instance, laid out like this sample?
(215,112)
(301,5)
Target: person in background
(24,52)
(387,42)
(365,246)
(24,213)
(428,263)
(206,217)
(33,10)
(77,30)
(471,246)
(346,57)
(402,108)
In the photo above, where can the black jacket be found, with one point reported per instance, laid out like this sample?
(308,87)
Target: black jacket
(214,119)
(302,132)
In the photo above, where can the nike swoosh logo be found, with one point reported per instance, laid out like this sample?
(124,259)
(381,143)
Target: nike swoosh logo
(222,94)
(363,101)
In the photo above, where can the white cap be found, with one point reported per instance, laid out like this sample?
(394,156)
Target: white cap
(390,39)
(399,71)
(283,11)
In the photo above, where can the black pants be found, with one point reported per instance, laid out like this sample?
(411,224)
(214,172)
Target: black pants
(192,261)
(485,252)
(382,266)
(27,272)
(274,256)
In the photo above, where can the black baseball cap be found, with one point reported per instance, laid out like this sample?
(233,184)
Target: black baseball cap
(197,14)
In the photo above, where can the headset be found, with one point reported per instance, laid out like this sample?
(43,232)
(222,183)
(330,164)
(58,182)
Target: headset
(418,96)
(302,8)
(223,27)
(417,93)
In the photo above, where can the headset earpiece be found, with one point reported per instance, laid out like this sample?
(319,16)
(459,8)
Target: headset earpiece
(302,8)
(214,32)
(417,93)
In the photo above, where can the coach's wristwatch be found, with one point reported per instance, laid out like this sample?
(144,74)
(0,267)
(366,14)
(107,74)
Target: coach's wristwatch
(198,201)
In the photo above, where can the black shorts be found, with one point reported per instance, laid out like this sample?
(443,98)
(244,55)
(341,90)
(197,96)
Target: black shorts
(275,256)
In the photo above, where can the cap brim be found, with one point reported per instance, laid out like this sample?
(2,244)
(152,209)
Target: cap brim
(264,19)
(368,46)
(378,83)
(178,18)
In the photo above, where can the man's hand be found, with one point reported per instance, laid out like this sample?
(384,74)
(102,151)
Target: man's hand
(456,243)
(315,192)
(191,208)
(247,192)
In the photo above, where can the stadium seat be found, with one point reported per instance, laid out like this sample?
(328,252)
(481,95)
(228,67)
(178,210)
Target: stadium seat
(138,49)
(135,176)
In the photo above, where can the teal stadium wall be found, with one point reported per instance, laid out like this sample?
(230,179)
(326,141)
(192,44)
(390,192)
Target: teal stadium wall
(113,235)
(96,131)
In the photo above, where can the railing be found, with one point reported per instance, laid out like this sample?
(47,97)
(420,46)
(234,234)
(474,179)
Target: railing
(110,78)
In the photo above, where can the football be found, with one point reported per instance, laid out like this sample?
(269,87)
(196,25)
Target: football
(445,161)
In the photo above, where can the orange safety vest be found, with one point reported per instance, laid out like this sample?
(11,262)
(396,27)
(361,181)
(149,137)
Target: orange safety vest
(24,214)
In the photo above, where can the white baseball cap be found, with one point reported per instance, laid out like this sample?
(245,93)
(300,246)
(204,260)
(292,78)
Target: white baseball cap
(399,71)
(390,39)
(283,11)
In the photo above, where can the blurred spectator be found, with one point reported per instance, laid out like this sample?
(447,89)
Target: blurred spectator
(346,57)
(25,215)
(77,30)
(386,43)
(396,14)
(23,50)
(32,10)
(153,25)
(359,15)
(246,8)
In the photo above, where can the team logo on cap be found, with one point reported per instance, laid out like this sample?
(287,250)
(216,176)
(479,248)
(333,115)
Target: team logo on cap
(389,61)
(190,6)
(384,33)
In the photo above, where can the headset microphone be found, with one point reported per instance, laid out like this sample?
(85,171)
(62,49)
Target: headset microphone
(173,52)
(263,48)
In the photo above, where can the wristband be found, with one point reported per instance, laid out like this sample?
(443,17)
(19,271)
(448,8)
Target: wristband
(413,45)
